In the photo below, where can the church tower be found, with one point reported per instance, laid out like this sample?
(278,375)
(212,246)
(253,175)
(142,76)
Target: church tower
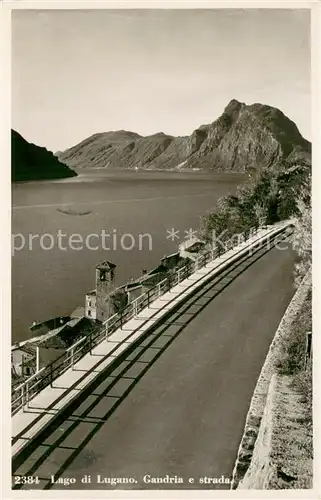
(105,284)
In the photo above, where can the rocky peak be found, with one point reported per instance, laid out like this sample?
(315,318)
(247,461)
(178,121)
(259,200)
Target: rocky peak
(233,108)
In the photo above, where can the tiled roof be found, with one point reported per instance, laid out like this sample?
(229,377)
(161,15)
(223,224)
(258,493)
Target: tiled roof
(106,265)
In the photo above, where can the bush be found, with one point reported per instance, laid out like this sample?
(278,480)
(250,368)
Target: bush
(119,300)
(302,240)
(292,358)
(303,382)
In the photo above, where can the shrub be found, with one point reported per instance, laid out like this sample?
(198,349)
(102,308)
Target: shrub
(303,382)
(302,237)
(119,300)
(292,358)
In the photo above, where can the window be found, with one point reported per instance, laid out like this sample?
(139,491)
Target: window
(89,312)
(89,303)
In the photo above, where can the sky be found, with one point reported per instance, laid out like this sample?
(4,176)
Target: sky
(79,72)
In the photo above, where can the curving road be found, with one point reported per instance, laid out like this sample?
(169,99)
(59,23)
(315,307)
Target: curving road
(178,404)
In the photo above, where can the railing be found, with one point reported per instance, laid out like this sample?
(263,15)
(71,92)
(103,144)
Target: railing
(26,391)
(49,373)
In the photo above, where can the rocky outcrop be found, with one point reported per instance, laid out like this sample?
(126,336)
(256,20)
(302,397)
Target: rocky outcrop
(242,138)
(31,162)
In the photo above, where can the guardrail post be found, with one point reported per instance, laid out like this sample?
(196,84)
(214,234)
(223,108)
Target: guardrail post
(27,394)
(37,358)
(135,307)
(72,358)
(23,400)
(51,375)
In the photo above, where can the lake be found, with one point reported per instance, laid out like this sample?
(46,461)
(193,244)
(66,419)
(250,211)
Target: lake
(50,277)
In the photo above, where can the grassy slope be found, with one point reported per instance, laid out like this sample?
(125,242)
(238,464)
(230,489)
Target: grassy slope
(291,458)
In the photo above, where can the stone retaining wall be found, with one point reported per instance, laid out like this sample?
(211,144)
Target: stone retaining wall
(260,395)
(259,471)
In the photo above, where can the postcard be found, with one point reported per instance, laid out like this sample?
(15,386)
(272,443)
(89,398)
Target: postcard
(161,328)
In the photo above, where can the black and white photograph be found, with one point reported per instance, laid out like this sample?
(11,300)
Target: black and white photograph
(161,249)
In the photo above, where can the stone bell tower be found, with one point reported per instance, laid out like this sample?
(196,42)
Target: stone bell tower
(105,284)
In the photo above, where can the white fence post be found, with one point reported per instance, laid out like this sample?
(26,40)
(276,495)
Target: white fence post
(22,396)
(37,358)
(72,358)
(27,393)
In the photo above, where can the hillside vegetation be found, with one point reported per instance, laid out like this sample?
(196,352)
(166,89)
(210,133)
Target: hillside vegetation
(268,197)
(31,162)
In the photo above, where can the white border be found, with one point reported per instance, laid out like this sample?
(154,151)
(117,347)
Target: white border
(5,200)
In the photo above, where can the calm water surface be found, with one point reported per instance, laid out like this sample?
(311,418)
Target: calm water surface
(53,282)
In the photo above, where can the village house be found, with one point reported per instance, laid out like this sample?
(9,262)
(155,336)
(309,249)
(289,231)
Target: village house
(52,337)
(23,361)
(106,300)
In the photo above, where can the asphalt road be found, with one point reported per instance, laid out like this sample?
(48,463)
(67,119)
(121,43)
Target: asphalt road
(177,405)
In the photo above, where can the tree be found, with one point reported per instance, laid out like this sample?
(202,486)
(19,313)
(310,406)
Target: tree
(268,197)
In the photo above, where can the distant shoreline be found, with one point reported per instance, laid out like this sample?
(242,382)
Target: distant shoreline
(91,173)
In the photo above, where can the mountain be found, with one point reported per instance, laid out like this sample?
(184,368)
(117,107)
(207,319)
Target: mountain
(31,162)
(242,138)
